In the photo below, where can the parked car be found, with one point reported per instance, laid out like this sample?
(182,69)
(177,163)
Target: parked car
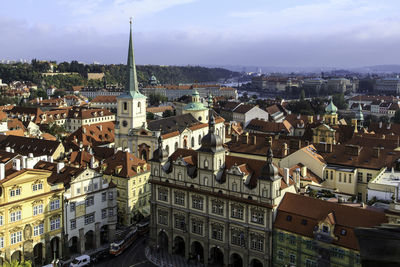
(83,260)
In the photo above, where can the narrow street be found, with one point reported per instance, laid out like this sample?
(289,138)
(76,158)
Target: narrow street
(134,256)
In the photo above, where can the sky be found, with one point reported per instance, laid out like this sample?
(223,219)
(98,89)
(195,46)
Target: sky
(326,33)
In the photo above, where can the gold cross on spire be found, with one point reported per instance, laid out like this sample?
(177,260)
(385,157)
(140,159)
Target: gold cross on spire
(130,20)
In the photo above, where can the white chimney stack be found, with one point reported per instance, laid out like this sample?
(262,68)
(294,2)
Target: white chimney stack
(17,164)
(60,165)
(50,159)
(92,161)
(286,175)
(8,149)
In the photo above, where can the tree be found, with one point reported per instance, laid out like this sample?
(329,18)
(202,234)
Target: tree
(339,101)
(302,95)
(396,118)
(56,130)
(59,93)
(15,263)
(167,113)
(156,99)
(149,116)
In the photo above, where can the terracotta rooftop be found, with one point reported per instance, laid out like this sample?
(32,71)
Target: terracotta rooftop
(124,164)
(306,212)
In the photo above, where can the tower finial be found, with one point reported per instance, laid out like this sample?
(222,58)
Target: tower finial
(130,21)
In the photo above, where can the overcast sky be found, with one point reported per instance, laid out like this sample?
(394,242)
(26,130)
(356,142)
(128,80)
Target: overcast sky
(338,33)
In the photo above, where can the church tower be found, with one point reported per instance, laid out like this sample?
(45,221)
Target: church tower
(131,105)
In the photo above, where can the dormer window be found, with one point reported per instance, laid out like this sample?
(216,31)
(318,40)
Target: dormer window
(325,229)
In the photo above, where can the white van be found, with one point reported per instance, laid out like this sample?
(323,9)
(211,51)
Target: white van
(82,260)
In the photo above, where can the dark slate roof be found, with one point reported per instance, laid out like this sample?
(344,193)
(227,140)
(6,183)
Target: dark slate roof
(26,145)
(172,124)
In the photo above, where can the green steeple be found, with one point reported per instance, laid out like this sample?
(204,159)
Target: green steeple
(331,108)
(131,87)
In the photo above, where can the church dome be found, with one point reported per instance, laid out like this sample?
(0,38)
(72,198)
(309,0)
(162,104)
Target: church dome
(160,154)
(331,108)
(359,114)
(211,142)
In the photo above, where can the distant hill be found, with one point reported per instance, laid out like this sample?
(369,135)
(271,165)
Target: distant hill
(379,69)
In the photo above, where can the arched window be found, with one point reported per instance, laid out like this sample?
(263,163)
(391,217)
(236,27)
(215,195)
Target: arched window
(199,139)
(219,163)
(125,106)
(218,132)
(205,163)
(139,105)
(180,177)
(167,149)
(264,192)
(192,141)
(205,181)
(176,145)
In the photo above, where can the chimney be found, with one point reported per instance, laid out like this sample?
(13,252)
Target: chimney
(84,130)
(310,119)
(30,155)
(60,165)
(24,162)
(352,150)
(17,164)
(254,138)
(12,150)
(318,117)
(303,171)
(2,171)
(286,175)
(376,151)
(8,149)
(127,150)
(388,126)
(50,159)
(380,124)
(285,149)
(92,162)
(298,117)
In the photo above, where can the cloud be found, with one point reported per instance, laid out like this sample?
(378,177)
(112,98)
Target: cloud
(246,14)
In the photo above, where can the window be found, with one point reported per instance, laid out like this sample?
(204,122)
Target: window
(110,195)
(289,218)
(234,187)
(1,220)
(162,195)
(257,243)
(103,196)
(205,181)
(310,263)
(163,217)
(206,164)
(331,175)
(199,139)
(197,203)
(337,252)
(237,212)
(265,192)
(257,216)
(216,232)
(281,237)
(192,142)
(180,222)
(16,237)
(110,212)
(37,187)
(343,232)
(280,255)
(89,219)
(304,222)
(292,258)
(218,207)
(72,206)
(104,213)
(15,216)
(292,239)
(360,176)
(125,106)
(326,175)
(55,224)
(179,198)
(1,241)
(15,192)
(344,178)
(197,227)
(309,244)
(350,178)
(237,237)
(54,204)
(78,191)
(38,209)
(340,177)
(180,177)
(89,201)
(38,229)
(73,224)
(369,177)
(325,229)
(95,186)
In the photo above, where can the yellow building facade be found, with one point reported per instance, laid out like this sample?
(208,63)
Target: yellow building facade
(31,218)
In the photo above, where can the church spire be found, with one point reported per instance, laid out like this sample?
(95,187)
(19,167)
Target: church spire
(131,87)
